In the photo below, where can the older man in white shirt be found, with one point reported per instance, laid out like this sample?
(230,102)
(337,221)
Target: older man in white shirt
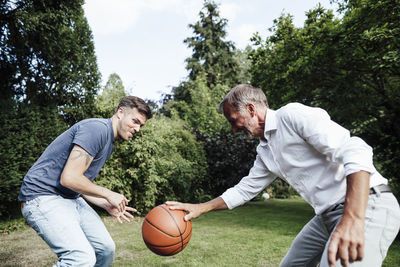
(357,216)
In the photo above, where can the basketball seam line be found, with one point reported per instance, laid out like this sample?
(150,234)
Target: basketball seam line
(160,229)
(177,226)
(158,246)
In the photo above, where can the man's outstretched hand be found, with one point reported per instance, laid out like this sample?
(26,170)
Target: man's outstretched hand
(193,210)
(120,216)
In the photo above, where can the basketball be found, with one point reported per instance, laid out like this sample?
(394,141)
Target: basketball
(165,232)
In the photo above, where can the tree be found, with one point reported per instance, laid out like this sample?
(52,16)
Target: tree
(212,57)
(347,66)
(296,64)
(371,63)
(47,56)
(214,67)
(49,78)
(242,58)
(23,137)
(111,95)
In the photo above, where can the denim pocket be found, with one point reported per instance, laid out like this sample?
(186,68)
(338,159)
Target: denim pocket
(36,211)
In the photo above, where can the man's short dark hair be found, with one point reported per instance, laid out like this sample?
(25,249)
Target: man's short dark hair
(136,102)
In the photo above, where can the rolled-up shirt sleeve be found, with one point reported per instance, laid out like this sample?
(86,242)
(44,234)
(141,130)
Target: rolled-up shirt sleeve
(356,156)
(250,186)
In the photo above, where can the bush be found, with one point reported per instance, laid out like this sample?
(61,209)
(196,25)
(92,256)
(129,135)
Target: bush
(24,135)
(201,113)
(161,162)
(229,157)
(11,225)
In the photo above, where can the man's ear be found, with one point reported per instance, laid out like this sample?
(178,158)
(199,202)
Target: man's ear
(120,111)
(251,109)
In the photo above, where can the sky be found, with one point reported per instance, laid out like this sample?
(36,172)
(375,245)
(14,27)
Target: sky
(142,40)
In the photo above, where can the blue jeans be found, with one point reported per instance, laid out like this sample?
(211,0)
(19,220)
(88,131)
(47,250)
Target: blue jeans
(72,229)
(382,224)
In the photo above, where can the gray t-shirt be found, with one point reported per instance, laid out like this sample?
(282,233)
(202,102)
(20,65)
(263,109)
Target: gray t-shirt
(96,136)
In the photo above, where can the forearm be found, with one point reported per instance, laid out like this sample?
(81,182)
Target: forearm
(215,204)
(100,202)
(82,185)
(347,240)
(356,195)
(73,177)
(195,210)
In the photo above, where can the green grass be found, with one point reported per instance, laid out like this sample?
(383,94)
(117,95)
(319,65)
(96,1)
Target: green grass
(257,234)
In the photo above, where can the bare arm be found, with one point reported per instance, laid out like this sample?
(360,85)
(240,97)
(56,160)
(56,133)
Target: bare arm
(347,241)
(195,210)
(100,202)
(73,178)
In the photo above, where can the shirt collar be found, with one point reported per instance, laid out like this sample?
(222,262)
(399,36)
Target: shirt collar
(270,125)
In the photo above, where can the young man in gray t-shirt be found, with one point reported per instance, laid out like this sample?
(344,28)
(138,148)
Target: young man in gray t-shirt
(54,190)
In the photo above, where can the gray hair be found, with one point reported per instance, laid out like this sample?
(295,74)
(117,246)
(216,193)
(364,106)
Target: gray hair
(243,94)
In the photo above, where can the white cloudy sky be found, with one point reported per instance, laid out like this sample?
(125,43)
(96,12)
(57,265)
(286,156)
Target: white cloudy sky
(142,40)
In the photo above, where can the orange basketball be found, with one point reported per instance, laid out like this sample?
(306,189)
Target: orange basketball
(165,232)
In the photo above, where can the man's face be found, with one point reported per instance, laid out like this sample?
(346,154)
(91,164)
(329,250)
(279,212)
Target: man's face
(130,121)
(245,121)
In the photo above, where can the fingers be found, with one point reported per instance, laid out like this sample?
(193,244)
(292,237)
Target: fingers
(122,204)
(174,205)
(121,207)
(191,209)
(118,201)
(333,251)
(127,214)
(338,249)
(353,253)
(171,202)
(189,216)
(345,250)
(360,253)
(344,255)
(130,209)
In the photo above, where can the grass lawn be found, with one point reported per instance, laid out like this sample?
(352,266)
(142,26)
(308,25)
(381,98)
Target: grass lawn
(257,234)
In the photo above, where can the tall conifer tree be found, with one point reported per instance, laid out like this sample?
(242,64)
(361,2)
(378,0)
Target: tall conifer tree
(212,56)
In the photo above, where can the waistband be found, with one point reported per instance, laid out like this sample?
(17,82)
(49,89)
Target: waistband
(378,189)
(382,188)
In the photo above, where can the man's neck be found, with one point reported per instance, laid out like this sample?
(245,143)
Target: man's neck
(114,123)
(262,113)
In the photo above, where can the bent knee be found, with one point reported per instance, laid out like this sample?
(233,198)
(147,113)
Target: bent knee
(106,249)
(109,248)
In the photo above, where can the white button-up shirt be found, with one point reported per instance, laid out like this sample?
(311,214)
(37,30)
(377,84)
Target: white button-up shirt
(304,147)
